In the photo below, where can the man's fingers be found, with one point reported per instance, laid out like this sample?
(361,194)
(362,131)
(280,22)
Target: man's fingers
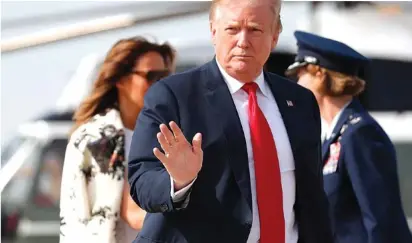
(160,156)
(177,132)
(168,134)
(163,142)
(197,143)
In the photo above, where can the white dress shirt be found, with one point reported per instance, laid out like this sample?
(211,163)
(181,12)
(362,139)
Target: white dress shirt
(267,104)
(327,129)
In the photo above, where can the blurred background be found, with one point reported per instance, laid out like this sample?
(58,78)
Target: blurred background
(51,51)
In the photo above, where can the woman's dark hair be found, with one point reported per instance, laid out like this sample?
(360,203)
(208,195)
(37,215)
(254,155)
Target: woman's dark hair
(119,62)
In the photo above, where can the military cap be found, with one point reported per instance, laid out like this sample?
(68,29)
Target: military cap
(326,53)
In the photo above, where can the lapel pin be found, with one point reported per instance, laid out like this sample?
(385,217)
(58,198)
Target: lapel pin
(290,103)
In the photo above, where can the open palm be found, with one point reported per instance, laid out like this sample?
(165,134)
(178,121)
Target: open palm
(182,160)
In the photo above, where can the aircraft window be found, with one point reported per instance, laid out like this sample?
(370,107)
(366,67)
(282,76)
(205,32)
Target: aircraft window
(388,86)
(47,188)
(278,62)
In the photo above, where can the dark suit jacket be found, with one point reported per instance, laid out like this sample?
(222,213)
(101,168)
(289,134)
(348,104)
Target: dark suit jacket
(220,206)
(363,192)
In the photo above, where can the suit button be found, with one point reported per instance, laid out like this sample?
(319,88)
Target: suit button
(164,207)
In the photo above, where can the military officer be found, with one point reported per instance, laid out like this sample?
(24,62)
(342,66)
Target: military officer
(360,171)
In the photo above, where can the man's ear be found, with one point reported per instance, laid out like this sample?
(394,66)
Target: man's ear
(212,31)
(275,37)
(277,29)
(275,40)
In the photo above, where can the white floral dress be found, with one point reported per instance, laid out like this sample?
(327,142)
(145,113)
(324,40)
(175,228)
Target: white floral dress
(92,182)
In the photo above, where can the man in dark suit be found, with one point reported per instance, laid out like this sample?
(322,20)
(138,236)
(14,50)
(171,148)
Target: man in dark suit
(253,170)
(360,172)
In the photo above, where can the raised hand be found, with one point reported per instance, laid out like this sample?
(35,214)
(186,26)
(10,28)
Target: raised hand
(182,160)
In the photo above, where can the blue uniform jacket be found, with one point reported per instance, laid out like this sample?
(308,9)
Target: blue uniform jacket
(361,181)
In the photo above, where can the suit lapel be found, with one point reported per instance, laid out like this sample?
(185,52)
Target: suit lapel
(325,148)
(286,104)
(288,108)
(221,101)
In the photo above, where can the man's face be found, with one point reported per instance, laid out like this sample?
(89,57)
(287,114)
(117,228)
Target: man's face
(244,34)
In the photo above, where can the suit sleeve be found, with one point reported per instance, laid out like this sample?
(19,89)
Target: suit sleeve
(371,165)
(321,205)
(149,181)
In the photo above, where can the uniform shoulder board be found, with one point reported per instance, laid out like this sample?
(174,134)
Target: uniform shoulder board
(354,120)
(351,121)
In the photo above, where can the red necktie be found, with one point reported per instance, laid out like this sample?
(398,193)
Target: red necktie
(268,180)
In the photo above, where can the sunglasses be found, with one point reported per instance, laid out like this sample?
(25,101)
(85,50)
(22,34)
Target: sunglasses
(153,75)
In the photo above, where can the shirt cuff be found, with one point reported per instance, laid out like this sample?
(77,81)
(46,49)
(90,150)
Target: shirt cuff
(180,195)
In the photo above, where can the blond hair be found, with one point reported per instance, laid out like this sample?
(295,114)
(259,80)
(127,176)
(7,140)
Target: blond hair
(338,84)
(275,6)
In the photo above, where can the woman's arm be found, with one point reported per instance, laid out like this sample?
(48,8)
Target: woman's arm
(370,161)
(130,211)
(79,218)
